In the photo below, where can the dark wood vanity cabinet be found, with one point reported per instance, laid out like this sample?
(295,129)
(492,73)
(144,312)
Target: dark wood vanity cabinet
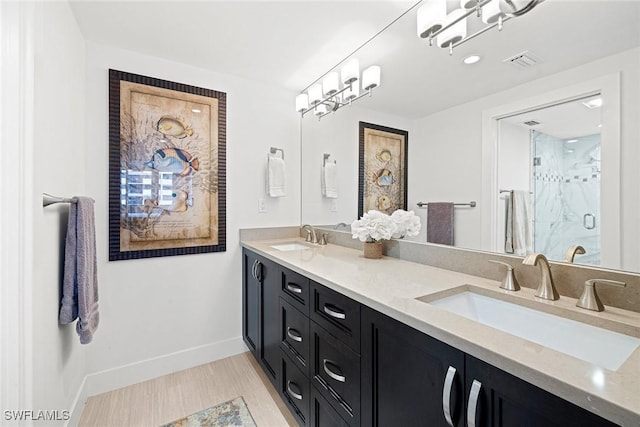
(336,362)
(497,398)
(405,373)
(261,285)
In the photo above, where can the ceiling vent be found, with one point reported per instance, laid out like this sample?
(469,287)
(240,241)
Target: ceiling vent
(531,123)
(523,60)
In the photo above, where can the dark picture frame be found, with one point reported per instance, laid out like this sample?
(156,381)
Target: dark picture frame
(382,168)
(167,168)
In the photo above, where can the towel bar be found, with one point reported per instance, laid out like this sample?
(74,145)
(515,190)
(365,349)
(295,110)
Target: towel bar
(470,204)
(274,150)
(48,199)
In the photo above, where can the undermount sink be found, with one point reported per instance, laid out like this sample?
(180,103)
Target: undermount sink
(295,246)
(602,347)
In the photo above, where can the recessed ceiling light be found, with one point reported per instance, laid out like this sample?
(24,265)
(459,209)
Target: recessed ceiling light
(471,59)
(593,103)
(195,110)
(572,140)
(600,125)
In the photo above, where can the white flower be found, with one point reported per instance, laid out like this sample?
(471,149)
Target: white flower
(373,226)
(407,223)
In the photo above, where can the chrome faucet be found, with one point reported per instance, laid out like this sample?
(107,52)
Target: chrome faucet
(572,251)
(311,233)
(590,299)
(546,288)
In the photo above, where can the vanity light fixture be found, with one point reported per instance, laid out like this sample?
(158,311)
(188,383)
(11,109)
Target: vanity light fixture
(326,97)
(471,59)
(450,30)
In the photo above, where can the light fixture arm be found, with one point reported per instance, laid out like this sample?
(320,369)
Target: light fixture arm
(338,104)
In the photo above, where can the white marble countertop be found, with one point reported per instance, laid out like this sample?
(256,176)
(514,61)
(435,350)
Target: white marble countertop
(391,286)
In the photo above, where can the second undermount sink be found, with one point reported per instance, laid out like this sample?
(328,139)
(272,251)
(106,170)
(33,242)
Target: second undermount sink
(602,347)
(294,246)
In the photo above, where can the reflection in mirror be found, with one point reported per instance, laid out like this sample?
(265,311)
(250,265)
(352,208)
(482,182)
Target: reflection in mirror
(549,178)
(445,106)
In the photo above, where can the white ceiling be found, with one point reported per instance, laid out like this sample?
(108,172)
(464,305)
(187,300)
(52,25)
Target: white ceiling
(292,43)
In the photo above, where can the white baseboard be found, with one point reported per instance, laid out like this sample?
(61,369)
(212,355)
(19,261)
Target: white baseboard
(122,376)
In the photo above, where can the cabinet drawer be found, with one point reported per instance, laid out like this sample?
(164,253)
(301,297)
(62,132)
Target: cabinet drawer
(335,372)
(336,313)
(294,335)
(294,390)
(322,414)
(295,289)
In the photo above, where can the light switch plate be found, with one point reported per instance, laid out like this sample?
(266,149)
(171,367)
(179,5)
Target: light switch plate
(262,206)
(334,205)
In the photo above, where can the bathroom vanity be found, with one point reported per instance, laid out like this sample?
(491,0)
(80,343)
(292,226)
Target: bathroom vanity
(350,341)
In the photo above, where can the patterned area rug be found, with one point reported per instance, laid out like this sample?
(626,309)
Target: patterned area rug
(231,413)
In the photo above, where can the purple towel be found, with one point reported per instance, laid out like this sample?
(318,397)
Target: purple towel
(80,284)
(440,223)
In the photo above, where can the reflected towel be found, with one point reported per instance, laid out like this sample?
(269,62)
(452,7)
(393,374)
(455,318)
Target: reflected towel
(80,284)
(440,223)
(276,176)
(519,227)
(330,181)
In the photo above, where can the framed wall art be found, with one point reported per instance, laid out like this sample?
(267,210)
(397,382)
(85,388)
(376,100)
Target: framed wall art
(382,183)
(167,168)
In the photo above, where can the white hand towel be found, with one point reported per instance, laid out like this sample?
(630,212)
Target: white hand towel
(330,181)
(276,176)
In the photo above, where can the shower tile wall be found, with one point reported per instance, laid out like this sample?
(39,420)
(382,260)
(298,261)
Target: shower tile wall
(566,182)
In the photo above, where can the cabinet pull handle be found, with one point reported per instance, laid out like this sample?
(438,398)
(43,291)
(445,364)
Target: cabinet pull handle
(472,406)
(254,273)
(259,271)
(446,394)
(294,335)
(334,312)
(293,393)
(294,288)
(337,377)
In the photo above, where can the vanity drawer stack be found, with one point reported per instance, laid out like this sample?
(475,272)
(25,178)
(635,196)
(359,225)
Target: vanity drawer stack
(320,346)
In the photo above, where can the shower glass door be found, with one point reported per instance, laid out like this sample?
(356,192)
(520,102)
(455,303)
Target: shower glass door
(566,195)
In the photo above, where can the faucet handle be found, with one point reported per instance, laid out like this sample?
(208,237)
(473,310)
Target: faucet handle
(509,282)
(308,239)
(589,299)
(323,238)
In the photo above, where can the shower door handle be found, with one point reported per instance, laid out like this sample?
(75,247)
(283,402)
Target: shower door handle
(589,221)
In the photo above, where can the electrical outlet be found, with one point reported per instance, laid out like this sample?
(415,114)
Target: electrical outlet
(262,206)
(334,205)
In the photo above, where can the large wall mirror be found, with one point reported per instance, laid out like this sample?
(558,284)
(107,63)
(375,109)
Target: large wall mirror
(476,132)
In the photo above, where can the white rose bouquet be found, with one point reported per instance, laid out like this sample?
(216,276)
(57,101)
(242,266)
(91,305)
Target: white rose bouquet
(407,223)
(375,226)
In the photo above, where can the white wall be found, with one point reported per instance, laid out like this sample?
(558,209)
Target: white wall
(59,168)
(152,309)
(338,134)
(456,133)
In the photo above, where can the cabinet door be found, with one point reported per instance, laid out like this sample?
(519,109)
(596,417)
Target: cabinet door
(250,302)
(408,378)
(496,398)
(271,275)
